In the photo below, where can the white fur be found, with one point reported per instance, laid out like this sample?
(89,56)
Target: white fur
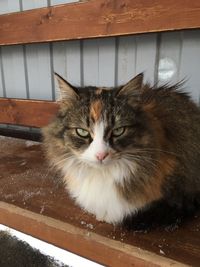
(97,145)
(94,189)
(93,184)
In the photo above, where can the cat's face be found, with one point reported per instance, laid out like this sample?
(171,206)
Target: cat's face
(100,126)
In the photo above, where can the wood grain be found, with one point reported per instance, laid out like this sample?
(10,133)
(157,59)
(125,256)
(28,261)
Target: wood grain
(43,209)
(34,113)
(87,244)
(98,18)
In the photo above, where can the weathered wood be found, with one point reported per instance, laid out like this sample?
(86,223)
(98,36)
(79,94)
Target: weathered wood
(83,242)
(98,18)
(33,113)
(43,209)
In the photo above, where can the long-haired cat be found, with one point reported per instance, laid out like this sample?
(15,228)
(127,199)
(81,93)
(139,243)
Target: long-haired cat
(121,150)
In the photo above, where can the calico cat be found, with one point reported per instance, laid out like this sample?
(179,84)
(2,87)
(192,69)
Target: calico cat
(121,150)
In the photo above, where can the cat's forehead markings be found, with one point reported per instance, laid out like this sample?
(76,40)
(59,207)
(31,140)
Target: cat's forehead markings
(98,91)
(96,109)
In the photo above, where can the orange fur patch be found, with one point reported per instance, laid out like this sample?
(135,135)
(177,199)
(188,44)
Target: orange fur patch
(151,112)
(148,107)
(96,109)
(151,190)
(165,168)
(167,165)
(166,162)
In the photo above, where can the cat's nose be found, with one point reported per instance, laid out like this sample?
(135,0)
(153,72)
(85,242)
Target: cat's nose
(101,155)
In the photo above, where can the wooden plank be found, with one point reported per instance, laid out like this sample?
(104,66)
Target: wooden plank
(82,242)
(33,113)
(29,183)
(98,18)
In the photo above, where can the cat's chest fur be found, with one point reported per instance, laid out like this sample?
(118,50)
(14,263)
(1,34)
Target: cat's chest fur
(95,190)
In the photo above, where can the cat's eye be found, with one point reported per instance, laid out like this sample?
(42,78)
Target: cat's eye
(82,132)
(118,131)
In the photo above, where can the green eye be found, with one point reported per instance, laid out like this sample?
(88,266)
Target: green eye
(118,131)
(82,133)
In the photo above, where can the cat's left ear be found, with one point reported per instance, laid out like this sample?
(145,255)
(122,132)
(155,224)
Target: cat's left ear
(132,87)
(67,91)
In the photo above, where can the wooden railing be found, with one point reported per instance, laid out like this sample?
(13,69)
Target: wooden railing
(98,18)
(34,113)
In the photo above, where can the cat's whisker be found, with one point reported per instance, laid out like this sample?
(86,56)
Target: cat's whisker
(152,150)
(142,157)
(63,160)
(140,161)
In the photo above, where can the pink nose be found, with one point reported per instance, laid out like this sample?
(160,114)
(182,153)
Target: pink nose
(101,155)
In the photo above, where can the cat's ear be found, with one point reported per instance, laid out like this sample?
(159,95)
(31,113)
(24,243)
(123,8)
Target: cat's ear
(67,91)
(132,87)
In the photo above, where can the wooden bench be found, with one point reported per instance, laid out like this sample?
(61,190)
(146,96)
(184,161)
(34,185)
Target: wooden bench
(32,200)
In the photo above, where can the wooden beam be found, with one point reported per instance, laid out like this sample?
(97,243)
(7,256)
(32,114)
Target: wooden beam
(80,241)
(33,113)
(98,18)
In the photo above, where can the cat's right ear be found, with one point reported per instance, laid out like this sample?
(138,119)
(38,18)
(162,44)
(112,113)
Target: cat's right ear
(66,90)
(132,87)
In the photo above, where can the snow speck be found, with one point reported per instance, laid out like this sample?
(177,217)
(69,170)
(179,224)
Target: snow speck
(23,163)
(31,143)
(88,225)
(42,209)
(162,252)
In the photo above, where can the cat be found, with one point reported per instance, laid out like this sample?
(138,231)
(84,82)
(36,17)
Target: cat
(122,150)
